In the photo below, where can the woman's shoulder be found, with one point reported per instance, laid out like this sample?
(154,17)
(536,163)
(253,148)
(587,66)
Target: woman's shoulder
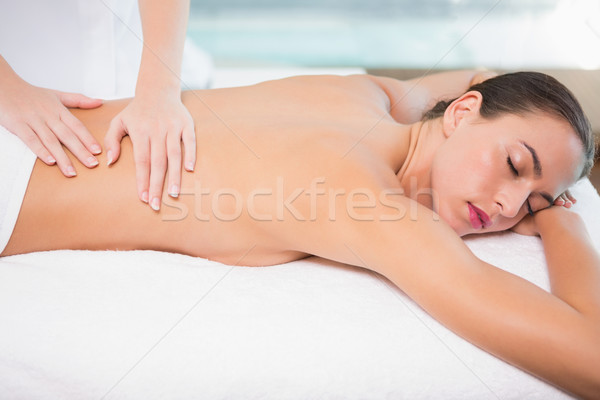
(359,84)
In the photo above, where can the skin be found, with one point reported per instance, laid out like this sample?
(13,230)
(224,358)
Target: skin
(156,119)
(355,169)
(41,119)
(479,155)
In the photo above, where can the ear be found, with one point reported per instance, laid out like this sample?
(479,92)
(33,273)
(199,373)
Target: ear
(466,105)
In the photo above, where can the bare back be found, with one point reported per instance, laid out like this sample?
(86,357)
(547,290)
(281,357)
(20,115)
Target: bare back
(262,150)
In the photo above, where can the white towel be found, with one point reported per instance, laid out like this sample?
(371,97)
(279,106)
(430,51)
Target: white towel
(16,164)
(144,324)
(151,325)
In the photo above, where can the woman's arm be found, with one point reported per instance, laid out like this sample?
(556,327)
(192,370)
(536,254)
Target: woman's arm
(573,263)
(156,119)
(555,336)
(411,98)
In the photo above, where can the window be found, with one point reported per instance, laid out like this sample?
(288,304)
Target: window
(506,34)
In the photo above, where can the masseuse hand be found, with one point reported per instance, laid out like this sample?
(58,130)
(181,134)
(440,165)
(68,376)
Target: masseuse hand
(156,124)
(40,118)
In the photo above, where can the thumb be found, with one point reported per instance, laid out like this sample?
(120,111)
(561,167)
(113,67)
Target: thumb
(112,140)
(77,100)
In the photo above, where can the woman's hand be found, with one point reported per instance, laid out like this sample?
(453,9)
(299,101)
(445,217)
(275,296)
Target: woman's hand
(529,224)
(156,125)
(566,200)
(40,118)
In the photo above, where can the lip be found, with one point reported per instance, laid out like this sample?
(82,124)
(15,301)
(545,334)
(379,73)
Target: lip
(479,219)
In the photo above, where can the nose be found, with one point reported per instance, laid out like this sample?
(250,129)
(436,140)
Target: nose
(510,199)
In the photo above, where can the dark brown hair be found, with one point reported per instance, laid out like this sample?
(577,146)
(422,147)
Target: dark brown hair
(524,92)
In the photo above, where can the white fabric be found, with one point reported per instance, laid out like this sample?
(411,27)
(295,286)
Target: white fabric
(16,165)
(151,325)
(158,325)
(92,47)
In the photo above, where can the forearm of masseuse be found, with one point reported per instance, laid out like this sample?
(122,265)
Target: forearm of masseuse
(164,25)
(573,262)
(7,74)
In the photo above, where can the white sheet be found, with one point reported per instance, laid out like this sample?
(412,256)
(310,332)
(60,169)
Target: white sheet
(16,164)
(151,325)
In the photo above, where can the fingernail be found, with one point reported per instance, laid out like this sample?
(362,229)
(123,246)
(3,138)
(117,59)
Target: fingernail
(92,162)
(51,160)
(155,204)
(71,171)
(174,191)
(145,197)
(189,166)
(109,158)
(96,149)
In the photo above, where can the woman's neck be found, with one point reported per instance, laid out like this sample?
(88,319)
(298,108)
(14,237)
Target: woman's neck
(415,173)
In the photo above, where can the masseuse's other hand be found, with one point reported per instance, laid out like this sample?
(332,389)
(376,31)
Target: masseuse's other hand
(41,119)
(156,126)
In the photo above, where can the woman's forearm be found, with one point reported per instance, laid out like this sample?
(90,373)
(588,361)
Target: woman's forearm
(573,263)
(164,24)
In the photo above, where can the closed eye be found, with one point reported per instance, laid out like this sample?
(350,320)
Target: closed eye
(529,210)
(512,166)
(515,172)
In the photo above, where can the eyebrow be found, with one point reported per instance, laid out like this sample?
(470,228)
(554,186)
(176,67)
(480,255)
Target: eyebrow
(537,167)
(537,170)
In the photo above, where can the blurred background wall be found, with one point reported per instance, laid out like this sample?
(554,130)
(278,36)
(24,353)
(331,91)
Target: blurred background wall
(406,38)
(508,34)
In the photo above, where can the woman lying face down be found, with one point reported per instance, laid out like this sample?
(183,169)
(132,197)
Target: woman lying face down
(345,168)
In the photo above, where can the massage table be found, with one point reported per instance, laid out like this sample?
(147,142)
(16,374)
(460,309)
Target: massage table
(154,325)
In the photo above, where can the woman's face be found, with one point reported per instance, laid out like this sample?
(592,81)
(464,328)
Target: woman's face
(488,174)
